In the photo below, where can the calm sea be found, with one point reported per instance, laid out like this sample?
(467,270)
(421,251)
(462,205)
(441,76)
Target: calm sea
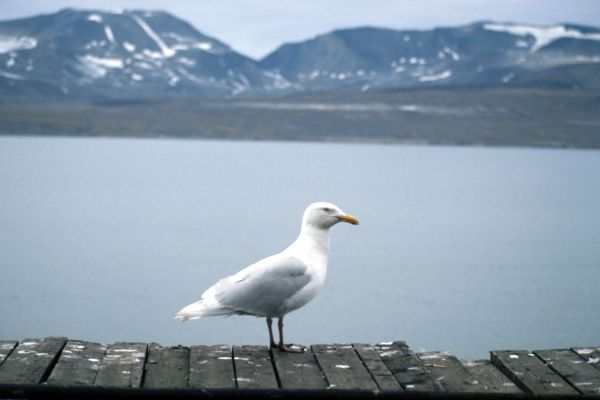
(459,249)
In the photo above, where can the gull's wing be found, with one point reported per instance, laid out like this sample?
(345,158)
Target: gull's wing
(262,288)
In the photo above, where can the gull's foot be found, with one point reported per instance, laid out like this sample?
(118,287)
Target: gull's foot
(291,348)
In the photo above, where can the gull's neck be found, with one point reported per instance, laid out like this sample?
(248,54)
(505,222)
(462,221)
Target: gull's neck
(313,242)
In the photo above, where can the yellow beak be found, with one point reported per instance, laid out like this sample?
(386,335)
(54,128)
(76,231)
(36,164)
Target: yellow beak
(351,219)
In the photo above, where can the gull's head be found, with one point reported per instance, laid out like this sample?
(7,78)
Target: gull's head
(324,215)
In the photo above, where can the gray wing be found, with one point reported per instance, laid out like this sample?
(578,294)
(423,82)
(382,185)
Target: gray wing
(263,288)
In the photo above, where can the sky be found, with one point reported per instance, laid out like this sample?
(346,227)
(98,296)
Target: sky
(257,27)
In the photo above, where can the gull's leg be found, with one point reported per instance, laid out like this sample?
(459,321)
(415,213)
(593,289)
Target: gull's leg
(282,346)
(269,325)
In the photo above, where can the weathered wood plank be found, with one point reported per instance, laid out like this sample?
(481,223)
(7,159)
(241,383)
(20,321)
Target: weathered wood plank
(6,347)
(253,368)
(122,365)
(376,367)
(78,363)
(298,370)
(408,370)
(574,369)
(530,373)
(490,379)
(167,367)
(211,367)
(342,367)
(449,372)
(590,354)
(31,361)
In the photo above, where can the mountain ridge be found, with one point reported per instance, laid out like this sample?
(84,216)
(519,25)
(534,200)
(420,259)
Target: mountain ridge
(96,54)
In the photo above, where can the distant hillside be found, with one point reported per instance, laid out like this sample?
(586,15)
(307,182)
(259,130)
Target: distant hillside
(443,116)
(479,54)
(81,54)
(92,54)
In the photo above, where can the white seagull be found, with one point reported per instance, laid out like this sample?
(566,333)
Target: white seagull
(279,284)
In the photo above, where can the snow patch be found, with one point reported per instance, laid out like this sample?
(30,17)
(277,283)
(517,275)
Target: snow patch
(430,78)
(188,43)
(130,47)
(165,50)
(95,18)
(206,46)
(11,76)
(521,43)
(409,108)
(452,53)
(585,59)
(173,78)
(279,82)
(96,67)
(143,65)
(542,35)
(12,43)
(153,54)
(326,107)
(104,62)
(508,77)
(109,34)
(186,61)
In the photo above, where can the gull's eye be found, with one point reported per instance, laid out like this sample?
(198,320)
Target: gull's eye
(326,209)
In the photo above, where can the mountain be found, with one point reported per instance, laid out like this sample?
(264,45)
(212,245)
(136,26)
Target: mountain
(76,53)
(80,54)
(483,53)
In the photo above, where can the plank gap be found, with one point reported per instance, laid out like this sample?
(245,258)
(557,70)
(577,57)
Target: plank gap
(146,354)
(6,348)
(53,362)
(277,377)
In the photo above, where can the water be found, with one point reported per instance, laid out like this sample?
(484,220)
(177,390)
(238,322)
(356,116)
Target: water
(459,249)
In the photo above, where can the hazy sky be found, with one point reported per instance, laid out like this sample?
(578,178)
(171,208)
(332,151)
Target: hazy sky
(256,27)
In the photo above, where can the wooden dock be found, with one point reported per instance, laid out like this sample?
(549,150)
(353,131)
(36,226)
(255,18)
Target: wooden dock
(59,367)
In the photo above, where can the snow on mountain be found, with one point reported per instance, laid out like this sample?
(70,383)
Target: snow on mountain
(131,53)
(542,35)
(127,53)
(481,53)
(13,43)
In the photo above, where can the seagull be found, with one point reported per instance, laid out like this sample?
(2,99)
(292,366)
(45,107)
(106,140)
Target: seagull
(279,284)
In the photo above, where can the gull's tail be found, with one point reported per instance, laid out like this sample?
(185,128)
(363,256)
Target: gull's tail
(202,308)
